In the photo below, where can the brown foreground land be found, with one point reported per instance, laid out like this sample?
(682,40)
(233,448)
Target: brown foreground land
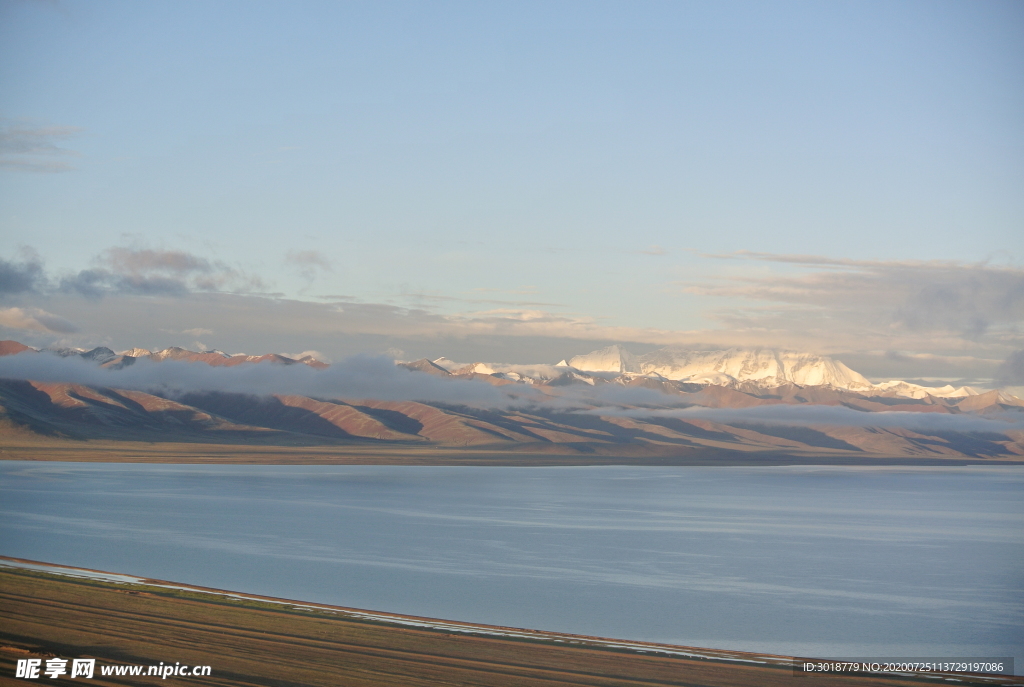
(21,447)
(251,640)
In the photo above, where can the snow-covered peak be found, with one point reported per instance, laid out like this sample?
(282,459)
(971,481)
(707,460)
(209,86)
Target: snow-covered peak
(136,352)
(909,390)
(172,352)
(64,352)
(449,365)
(762,367)
(100,354)
(611,359)
(520,373)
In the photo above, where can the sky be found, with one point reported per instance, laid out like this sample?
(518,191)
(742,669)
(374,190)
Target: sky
(518,182)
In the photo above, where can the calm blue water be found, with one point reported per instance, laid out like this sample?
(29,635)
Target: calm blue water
(808,561)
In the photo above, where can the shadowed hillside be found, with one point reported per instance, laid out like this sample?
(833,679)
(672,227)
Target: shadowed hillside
(78,412)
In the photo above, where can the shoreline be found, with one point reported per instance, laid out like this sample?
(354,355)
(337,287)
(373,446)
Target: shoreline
(399,619)
(168,616)
(102,451)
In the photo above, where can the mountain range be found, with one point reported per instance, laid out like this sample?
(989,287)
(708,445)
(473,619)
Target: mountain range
(752,401)
(687,370)
(105,357)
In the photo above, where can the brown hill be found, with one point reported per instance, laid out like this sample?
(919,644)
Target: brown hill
(9,347)
(78,411)
(83,412)
(990,401)
(302,415)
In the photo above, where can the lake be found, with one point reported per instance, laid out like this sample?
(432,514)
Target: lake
(811,561)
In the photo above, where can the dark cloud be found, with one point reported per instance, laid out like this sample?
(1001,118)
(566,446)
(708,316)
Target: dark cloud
(28,148)
(874,302)
(147,272)
(120,270)
(89,283)
(21,277)
(970,299)
(97,283)
(1011,371)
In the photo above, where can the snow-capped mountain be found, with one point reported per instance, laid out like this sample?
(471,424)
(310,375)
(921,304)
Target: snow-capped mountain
(611,359)
(105,357)
(747,402)
(909,390)
(527,374)
(449,365)
(137,352)
(757,368)
(670,368)
(761,367)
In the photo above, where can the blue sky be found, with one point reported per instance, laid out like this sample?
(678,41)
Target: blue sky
(547,176)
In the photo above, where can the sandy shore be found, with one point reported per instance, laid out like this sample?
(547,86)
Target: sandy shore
(15,447)
(50,610)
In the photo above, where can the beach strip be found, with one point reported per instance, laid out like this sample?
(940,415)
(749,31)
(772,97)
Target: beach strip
(51,611)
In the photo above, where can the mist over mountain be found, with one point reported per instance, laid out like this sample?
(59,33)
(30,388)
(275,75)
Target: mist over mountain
(670,369)
(669,402)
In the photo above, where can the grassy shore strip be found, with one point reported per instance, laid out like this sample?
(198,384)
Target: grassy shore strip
(253,640)
(171,590)
(19,448)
